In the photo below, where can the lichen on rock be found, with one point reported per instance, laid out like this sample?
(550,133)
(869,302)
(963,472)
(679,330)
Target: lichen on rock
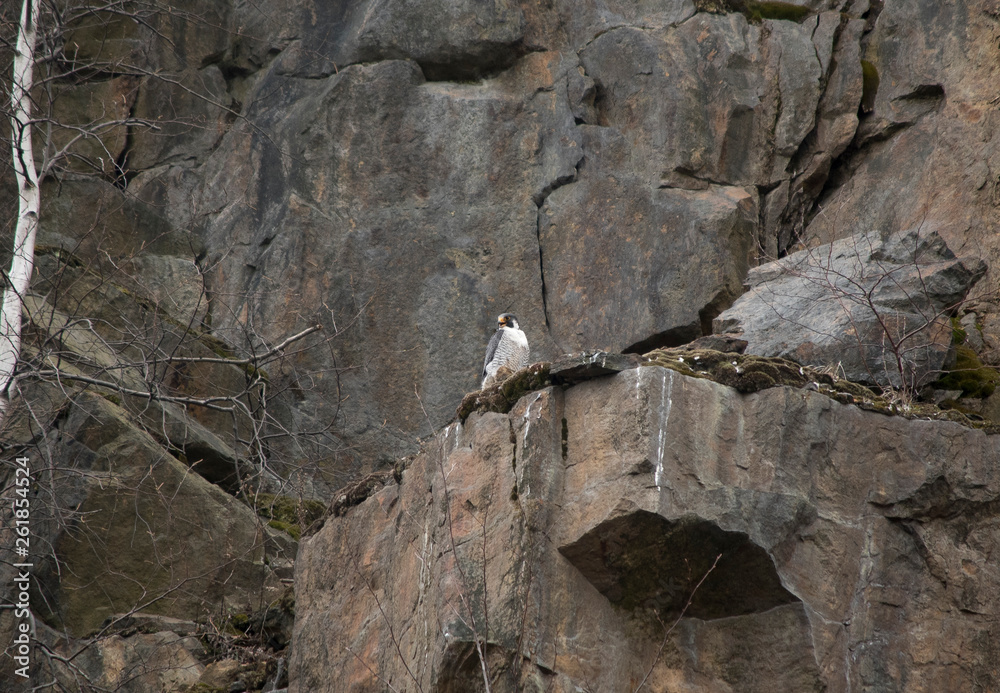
(756,11)
(501,397)
(359,492)
(741,372)
(969,375)
(748,374)
(287,514)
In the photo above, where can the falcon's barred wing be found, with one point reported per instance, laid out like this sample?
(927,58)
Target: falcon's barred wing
(492,348)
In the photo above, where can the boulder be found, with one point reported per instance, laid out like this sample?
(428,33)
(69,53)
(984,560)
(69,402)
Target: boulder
(651,526)
(127,340)
(875,310)
(158,661)
(924,153)
(125,526)
(575,368)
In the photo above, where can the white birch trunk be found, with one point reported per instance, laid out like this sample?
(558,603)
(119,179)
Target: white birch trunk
(28,201)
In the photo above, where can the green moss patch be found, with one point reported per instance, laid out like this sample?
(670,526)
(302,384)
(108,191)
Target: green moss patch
(869,86)
(59,253)
(969,375)
(287,514)
(958,333)
(109,396)
(362,490)
(748,374)
(501,397)
(777,10)
(755,11)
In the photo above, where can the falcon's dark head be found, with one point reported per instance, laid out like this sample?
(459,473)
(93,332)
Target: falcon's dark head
(506,320)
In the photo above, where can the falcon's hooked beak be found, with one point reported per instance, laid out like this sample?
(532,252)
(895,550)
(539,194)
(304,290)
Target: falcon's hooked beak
(502,322)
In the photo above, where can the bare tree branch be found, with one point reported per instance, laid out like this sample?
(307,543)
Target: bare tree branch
(29,200)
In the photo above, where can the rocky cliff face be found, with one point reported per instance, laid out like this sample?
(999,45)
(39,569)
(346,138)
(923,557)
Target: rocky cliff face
(398,174)
(818,547)
(606,170)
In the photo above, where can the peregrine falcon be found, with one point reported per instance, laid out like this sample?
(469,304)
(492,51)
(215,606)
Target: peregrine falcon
(507,352)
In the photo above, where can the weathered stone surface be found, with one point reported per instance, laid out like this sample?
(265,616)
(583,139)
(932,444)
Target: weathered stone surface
(187,115)
(220,674)
(131,87)
(168,36)
(75,110)
(575,368)
(715,99)
(122,526)
(93,220)
(129,333)
(174,284)
(561,530)
(161,661)
(877,310)
(837,39)
(926,154)
(584,21)
(727,343)
(455,245)
(147,653)
(450,40)
(198,547)
(600,292)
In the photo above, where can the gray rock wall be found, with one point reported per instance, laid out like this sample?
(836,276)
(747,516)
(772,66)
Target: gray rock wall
(402,172)
(606,170)
(876,309)
(595,168)
(926,153)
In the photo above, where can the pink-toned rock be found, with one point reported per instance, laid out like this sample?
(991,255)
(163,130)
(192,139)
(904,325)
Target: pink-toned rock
(565,536)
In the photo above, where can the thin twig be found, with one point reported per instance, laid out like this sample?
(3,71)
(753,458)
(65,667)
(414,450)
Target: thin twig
(666,635)
(208,402)
(388,623)
(252,361)
(480,641)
